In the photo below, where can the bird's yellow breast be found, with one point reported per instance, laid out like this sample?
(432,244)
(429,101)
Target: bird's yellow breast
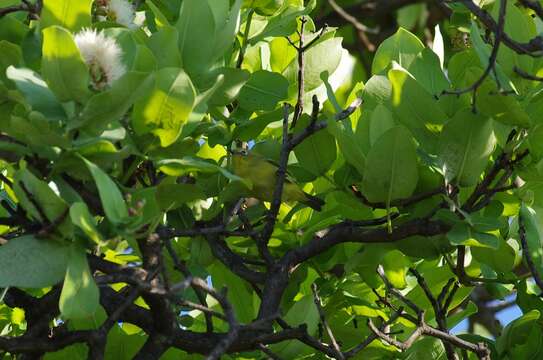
(262,175)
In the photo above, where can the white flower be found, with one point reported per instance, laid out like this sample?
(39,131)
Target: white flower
(102,55)
(122,12)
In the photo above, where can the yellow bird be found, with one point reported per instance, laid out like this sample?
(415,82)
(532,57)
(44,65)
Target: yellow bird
(262,174)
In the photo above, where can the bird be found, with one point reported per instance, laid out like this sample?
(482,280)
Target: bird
(263,173)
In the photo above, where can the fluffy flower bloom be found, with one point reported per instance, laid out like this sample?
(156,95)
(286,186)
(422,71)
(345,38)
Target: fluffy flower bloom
(122,12)
(102,55)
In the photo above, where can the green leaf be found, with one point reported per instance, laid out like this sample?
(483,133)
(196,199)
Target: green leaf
(484,51)
(305,312)
(284,24)
(402,48)
(160,19)
(365,263)
(250,129)
(459,64)
(179,167)
(281,54)
(434,246)
(436,277)
(36,92)
(418,110)
(426,69)
(36,131)
(517,332)
(463,234)
(318,152)
(196,27)
(265,7)
(521,27)
(348,143)
(80,296)
(172,196)
(164,45)
(144,60)
(502,260)
(234,79)
(11,56)
(82,218)
(112,199)
(507,110)
(150,211)
(466,143)
(227,25)
(377,91)
(457,317)
(127,41)
(263,91)
(239,293)
(391,167)
(75,351)
(63,68)
(381,121)
(167,108)
(32,191)
(29,262)
(111,105)
(426,348)
(121,346)
(70,14)
(202,256)
(323,57)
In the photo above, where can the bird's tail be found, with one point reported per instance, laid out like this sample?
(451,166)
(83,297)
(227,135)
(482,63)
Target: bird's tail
(313,202)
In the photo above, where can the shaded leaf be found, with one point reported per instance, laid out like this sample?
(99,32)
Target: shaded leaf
(112,199)
(79,296)
(29,262)
(391,167)
(466,143)
(263,91)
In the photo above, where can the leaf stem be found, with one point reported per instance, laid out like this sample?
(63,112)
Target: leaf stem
(243,48)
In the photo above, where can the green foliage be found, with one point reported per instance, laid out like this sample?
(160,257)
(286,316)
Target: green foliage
(466,142)
(391,167)
(48,259)
(62,66)
(79,297)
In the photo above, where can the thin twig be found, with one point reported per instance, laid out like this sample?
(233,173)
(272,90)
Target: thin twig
(531,48)
(322,315)
(268,352)
(182,268)
(373,336)
(243,48)
(498,38)
(526,75)
(351,19)
(440,315)
(299,107)
(399,202)
(528,256)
